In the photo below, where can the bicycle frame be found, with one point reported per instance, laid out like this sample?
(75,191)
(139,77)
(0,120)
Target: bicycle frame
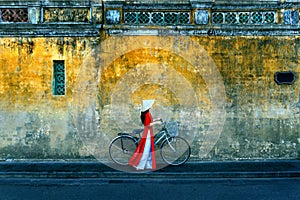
(162,133)
(162,139)
(159,137)
(164,136)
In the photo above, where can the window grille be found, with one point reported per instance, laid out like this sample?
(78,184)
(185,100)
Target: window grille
(231,18)
(170,18)
(131,18)
(270,18)
(218,18)
(58,84)
(14,15)
(244,18)
(257,18)
(144,18)
(184,18)
(157,18)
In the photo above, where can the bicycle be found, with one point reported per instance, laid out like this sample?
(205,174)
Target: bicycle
(174,149)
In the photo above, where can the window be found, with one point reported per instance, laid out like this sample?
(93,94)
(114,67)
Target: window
(157,18)
(14,15)
(59,79)
(285,78)
(244,18)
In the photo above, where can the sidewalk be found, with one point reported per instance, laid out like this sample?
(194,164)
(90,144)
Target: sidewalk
(199,170)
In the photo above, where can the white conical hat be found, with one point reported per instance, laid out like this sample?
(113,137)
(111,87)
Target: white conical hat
(147,104)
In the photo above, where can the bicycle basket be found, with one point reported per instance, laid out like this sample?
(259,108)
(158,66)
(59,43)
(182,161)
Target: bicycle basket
(172,128)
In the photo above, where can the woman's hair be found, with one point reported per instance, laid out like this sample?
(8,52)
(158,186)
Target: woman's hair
(143,116)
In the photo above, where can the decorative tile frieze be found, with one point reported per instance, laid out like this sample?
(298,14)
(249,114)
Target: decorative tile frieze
(14,15)
(209,19)
(291,17)
(157,18)
(33,15)
(201,17)
(97,15)
(113,16)
(67,15)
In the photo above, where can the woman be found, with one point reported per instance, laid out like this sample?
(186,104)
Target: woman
(144,155)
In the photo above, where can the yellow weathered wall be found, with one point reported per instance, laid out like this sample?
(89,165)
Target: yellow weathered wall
(262,117)
(29,111)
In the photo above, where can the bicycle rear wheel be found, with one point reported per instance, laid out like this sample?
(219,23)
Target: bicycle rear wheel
(175,150)
(121,149)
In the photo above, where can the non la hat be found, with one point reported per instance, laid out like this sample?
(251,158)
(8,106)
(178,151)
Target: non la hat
(147,104)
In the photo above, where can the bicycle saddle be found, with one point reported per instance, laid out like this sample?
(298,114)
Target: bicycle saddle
(137,131)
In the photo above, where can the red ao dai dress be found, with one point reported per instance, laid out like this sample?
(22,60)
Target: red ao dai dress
(144,155)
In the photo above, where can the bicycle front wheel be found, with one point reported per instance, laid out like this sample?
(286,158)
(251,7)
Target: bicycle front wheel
(175,150)
(121,149)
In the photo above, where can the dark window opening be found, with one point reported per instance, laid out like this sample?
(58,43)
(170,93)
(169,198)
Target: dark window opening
(285,78)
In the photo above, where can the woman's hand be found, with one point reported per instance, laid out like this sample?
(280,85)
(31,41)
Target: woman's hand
(158,121)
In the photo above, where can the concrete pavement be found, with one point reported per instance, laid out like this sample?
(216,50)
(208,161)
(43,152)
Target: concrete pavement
(191,170)
(89,180)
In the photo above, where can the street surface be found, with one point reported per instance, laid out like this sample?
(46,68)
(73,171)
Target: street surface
(245,180)
(110,189)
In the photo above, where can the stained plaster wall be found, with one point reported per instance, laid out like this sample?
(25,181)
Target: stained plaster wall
(262,117)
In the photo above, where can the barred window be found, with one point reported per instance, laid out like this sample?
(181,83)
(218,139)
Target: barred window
(231,18)
(244,18)
(257,18)
(14,15)
(157,18)
(58,82)
(218,18)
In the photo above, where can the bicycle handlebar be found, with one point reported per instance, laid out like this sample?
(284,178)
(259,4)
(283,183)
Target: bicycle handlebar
(163,122)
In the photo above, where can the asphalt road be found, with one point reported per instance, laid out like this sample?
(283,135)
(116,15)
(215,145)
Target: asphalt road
(144,189)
